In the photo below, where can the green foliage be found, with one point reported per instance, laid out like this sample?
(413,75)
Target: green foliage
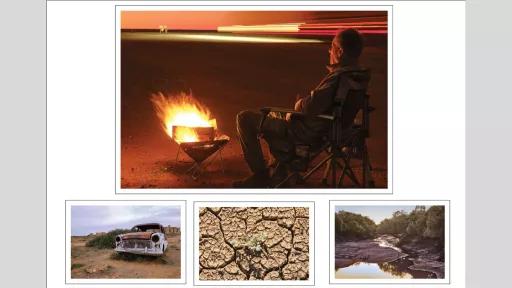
(353,226)
(395,225)
(434,222)
(106,241)
(76,266)
(417,222)
(421,223)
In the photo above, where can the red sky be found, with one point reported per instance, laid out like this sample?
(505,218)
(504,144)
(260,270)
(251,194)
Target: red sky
(210,20)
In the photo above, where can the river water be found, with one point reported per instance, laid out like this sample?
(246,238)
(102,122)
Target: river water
(389,270)
(385,270)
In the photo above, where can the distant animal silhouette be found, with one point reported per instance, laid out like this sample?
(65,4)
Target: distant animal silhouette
(163,28)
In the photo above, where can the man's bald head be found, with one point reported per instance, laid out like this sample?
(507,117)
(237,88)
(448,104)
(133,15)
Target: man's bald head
(350,41)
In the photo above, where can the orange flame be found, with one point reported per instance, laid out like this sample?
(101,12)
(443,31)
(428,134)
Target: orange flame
(182,110)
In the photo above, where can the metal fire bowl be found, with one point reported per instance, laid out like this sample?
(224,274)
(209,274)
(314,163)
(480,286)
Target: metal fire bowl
(200,151)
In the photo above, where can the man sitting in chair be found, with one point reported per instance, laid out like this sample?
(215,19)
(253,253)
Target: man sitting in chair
(281,133)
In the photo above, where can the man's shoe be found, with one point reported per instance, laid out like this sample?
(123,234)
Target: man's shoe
(254,181)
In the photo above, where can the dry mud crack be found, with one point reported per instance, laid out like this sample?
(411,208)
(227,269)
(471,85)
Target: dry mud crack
(254,243)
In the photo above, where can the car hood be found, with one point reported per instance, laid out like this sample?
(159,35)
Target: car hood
(137,235)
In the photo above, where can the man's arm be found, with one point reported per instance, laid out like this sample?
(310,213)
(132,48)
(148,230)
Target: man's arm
(320,99)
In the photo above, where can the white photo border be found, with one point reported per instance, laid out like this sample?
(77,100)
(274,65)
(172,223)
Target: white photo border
(183,240)
(334,203)
(252,283)
(253,6)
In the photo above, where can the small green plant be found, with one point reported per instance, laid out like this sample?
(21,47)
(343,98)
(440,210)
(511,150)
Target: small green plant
(253,245)
(76,266)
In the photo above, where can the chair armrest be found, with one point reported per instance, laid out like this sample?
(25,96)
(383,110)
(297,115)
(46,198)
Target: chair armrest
(266,110)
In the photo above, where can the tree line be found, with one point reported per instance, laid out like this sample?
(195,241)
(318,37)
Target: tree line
(420,223)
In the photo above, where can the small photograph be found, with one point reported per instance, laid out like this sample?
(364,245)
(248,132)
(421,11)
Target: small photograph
(389,241)
(255,244)
(253,99)
(125,242)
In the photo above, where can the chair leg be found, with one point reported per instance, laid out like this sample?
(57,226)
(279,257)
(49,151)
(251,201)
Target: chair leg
(346,169)
(281,184)
(342,176)
(333,171)
(368,181)
(343,172)
(326,173)
(365,170)
(320,164)
(352,176)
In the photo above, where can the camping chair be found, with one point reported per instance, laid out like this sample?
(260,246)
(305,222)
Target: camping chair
(345,142)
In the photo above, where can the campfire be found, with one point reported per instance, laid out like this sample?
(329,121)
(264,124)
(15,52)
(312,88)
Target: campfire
(184,119)
(191,126)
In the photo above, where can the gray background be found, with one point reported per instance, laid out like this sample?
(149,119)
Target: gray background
(488,143)
(23,142)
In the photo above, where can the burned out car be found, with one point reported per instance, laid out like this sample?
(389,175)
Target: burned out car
(145,239)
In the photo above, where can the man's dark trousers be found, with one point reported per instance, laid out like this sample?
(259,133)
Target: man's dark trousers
(275,132)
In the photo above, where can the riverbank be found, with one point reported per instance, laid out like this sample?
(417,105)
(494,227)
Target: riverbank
(427,257)
(418,258)
(378,250)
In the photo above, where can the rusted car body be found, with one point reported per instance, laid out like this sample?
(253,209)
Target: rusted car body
(146,239)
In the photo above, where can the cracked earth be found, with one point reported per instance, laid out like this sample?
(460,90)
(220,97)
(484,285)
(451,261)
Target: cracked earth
(254,243)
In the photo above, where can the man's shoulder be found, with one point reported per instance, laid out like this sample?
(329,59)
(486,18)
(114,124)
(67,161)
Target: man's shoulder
(345,71)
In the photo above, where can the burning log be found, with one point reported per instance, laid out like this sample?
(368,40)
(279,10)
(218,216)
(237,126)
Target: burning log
(193,134)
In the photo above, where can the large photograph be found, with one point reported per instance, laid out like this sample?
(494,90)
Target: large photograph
(252,99)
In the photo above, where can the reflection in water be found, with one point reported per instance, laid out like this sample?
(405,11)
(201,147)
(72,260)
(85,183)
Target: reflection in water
(364,270)
(387,270)
(393,270)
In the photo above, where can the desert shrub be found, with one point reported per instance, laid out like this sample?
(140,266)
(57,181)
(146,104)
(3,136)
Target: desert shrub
(76,266)
(106,241)
(353,226)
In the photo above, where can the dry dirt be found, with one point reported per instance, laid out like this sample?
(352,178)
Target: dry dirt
(254,243)
(94,263)
(227,78)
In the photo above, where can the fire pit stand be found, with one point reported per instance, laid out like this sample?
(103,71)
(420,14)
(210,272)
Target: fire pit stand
(202,151)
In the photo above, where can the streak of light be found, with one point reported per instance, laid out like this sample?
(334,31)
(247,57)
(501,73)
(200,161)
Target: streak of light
(327,28)
(382,23)
(203,37)
(285,27)
(331,32)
